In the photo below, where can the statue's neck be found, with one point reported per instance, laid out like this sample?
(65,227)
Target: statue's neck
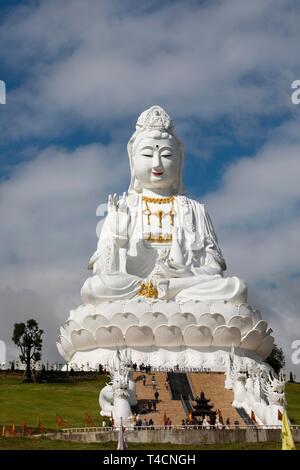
(157,192)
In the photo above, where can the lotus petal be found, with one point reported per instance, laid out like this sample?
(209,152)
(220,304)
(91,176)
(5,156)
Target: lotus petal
(66,345)
(63,332)
(211,320)
(243,323)
(261,326)
(168,308)
(256,315)
(168,336)
(108,309)
(266,347)
(67,356)
(195,307)
(252,340)
(197,336)
(153,319)
(227,309)
(109,336)
(245,310)
(137,306)
(226,336)
(71,325)
(182,320)
(79,313)
(139,336)
(124,320)
(82,339)
(91,322)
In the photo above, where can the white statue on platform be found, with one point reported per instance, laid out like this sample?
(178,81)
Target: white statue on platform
(117,397)
(155,241)
(157,284)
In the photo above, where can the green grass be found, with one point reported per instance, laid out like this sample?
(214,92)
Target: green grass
(15,443)
(293,402)
(25,401)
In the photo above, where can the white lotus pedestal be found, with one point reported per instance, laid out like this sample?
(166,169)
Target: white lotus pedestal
(165,334)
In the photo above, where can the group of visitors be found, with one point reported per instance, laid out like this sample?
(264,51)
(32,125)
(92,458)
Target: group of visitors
(153,381)
(142,367)
(140,423)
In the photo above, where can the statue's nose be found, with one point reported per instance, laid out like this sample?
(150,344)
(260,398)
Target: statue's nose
(156,160)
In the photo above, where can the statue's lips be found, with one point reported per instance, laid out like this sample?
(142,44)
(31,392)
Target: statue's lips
(157,173)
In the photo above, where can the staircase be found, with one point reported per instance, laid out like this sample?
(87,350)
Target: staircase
(183,386)
(166,405)
(212,384)
(245,417)
(181,389)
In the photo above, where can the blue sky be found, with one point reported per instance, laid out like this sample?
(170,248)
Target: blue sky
(78,74)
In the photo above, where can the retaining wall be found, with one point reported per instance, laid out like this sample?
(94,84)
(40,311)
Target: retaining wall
(181,436)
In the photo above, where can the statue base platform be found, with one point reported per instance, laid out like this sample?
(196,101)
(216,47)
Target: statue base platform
(192,334)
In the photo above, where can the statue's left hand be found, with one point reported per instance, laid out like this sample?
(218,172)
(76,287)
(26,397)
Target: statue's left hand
(171,268)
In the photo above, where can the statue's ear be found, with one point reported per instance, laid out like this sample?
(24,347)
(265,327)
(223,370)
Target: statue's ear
(175,187)
(137,186)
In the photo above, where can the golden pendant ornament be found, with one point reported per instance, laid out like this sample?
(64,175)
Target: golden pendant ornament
(148,290)
(160,214)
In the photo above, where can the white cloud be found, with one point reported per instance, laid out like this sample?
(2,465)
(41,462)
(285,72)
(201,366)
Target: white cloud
(48,222)
(257,216)
(202,60)
(97,64)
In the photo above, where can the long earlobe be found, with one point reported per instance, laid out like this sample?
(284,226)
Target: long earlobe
(137,186)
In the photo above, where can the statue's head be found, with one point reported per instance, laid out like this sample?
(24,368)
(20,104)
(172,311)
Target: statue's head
(155,153)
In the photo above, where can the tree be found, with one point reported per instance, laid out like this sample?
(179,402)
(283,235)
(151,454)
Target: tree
(28,337)
(276,359)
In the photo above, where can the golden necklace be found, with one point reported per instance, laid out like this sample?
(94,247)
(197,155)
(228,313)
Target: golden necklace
(160,214)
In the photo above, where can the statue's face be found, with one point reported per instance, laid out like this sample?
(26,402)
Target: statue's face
(156,163)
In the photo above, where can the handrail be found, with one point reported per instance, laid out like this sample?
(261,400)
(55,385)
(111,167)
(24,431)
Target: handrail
(191,386)
(179,426)
(184,404)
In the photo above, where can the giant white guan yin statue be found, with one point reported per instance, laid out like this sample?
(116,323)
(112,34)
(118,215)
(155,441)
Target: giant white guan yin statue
(157,286)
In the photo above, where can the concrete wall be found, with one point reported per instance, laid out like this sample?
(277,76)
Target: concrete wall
(182,436)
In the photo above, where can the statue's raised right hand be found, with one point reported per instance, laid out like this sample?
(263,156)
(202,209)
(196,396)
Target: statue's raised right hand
(118,216)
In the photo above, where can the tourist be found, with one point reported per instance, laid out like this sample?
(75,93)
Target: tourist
(205,423)
(144,409)
(149,406)
(145,423)
(151,423)
(156,396)
(104,425)
(154,405)
(144,379)
(153,381)
(139,423)
(227,423)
